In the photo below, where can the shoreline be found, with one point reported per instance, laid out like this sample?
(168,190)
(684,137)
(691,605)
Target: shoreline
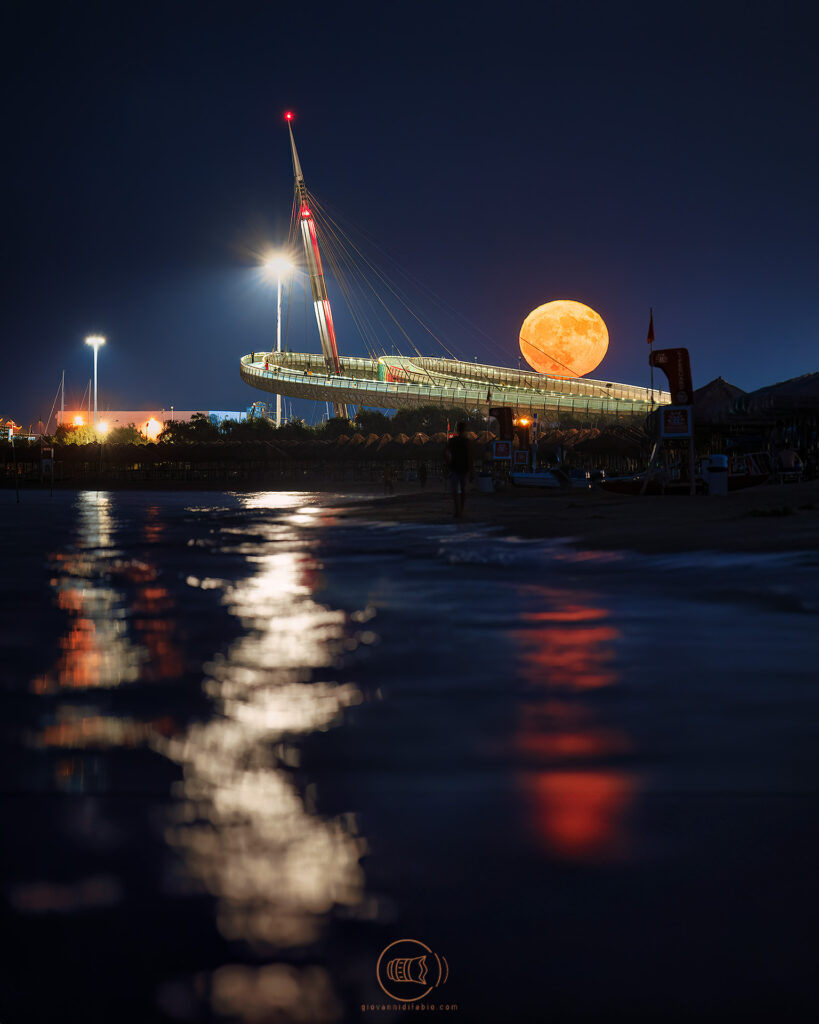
(768,518)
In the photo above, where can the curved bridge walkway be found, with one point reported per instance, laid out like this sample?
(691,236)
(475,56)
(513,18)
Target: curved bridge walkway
(399,382)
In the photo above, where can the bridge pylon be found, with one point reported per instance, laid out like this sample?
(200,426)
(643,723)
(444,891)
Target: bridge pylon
(312,255)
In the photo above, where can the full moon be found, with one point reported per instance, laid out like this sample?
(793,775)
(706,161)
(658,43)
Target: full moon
(564,338)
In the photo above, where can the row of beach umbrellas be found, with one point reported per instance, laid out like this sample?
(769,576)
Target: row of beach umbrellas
(591,441)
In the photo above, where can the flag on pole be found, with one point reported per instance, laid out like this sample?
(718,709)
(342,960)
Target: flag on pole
(650,338)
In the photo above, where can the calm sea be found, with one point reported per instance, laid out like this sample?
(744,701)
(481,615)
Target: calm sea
(260,764)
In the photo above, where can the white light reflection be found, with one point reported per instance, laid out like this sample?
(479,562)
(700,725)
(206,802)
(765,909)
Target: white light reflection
(275,500)
(95,523)
(246,834)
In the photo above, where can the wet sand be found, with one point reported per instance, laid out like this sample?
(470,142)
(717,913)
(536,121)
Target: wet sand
(771,517)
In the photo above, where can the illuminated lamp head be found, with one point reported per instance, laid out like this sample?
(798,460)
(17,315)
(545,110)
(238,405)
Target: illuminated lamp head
(78,421)
(278,265)
(102,428)
(152,429)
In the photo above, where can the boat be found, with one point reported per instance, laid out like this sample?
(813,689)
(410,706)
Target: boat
(553,479)
(747,470)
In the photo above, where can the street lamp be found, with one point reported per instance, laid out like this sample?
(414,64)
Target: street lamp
(95,340)
(280,266)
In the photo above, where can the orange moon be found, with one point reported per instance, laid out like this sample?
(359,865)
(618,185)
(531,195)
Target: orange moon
(564,338)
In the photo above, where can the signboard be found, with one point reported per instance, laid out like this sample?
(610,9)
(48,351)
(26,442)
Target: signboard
(676,365)
(502,450)
(675,421)
(521,458)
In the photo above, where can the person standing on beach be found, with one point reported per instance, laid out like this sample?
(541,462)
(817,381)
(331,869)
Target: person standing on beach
(459,459)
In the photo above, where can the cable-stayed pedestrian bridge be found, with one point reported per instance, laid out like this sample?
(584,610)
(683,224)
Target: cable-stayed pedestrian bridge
(395,381)
(400,382)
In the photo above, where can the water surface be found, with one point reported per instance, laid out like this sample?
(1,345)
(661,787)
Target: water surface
(248,745)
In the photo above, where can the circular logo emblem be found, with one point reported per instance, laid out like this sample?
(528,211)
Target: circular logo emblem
(407,970)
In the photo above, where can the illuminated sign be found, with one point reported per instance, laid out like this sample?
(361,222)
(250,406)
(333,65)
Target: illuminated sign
(675,421)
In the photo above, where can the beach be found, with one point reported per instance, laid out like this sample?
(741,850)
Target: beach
(766,518)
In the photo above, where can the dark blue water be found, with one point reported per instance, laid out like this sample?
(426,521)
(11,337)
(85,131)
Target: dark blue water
(247,746)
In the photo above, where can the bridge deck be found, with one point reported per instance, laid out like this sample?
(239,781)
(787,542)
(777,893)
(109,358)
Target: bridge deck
(430,381)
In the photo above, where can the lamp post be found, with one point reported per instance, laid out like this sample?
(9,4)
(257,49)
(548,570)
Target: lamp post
(280,266)
(95,340)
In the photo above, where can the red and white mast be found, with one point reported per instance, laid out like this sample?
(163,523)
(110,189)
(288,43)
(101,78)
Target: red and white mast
(318,286)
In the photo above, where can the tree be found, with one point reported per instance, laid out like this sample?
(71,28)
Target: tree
(69,434)
(197,430)
(255,428)
(429,419)
(334,428)
(294,430)
(372,421)
(126,435)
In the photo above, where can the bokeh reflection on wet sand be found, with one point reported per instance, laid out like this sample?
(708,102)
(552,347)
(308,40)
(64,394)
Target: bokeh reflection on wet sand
(579,797)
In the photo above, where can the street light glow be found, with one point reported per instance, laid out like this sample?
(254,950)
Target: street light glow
(151,429)
(279,265)
(79,421)
(102,427)
(95,340)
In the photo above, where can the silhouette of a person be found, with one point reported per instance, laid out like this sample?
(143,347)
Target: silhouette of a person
(459,459)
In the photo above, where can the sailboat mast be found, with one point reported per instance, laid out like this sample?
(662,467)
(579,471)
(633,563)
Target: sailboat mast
(312,255)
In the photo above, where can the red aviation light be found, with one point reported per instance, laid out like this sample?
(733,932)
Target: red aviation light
(288,115)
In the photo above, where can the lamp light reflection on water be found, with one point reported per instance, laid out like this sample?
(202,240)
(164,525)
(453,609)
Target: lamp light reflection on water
(246,832)
(95,648)
(277,500)
(110,639)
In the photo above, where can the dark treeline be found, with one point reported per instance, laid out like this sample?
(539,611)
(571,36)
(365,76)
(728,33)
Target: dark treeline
(200,429)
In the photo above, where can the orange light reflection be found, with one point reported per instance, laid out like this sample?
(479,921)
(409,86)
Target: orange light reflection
(577,803)
(582,815)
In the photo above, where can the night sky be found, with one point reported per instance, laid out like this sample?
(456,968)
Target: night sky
(623,155)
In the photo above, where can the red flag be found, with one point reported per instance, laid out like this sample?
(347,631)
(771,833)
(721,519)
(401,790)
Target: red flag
(650,338)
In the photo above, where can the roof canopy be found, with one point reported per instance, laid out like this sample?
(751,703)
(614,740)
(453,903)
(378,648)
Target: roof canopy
(798,395)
